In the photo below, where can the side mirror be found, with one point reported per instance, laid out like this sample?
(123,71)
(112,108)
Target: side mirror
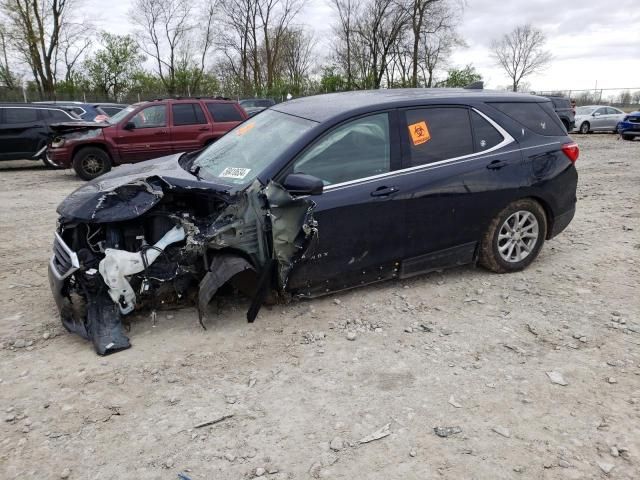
(302,184)
(129,126)
(597,114)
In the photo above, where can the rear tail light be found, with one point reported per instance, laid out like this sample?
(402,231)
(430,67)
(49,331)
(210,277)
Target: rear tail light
(572,151)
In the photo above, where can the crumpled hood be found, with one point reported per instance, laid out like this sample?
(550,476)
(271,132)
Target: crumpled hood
(130,190)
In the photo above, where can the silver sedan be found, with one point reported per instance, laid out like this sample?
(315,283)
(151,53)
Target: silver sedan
(597,118)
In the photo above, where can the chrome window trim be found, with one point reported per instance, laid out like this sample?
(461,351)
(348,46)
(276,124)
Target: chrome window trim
(507,139)
(60,110)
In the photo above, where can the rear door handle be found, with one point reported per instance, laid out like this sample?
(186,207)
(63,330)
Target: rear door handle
(384,191)
(497,165)
(161,132)
(203,129)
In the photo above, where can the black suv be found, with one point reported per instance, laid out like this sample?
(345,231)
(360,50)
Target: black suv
(317,195)
(564,110)
(24,129)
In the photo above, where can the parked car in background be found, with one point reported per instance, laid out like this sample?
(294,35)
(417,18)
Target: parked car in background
(256,105)
(565,111)
(143,131)
(397,191)
(597,118)
(92,112)
(25,129)
(629,127)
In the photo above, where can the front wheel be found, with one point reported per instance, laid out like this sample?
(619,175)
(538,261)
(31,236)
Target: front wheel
(585,127)
(514,237)
(91,162)
(627,137)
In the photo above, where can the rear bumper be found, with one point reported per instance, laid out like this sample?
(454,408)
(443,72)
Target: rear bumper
(560,222)
(628,128)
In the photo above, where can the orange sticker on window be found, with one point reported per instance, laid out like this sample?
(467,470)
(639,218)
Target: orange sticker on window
(245,128)
(419,133)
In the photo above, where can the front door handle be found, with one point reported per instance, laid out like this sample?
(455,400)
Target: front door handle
(497,165)
(161,132)
(203,129)
(384,191)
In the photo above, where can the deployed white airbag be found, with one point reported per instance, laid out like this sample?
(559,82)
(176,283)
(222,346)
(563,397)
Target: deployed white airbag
(118,264)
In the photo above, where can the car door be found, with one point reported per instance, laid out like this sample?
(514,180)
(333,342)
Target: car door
(144,135)
(189,127)
(599,119)
(459,169)
(361,226)
(22,132)
(613,117)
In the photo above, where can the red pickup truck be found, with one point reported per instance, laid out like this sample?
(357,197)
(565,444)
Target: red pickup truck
(140,132)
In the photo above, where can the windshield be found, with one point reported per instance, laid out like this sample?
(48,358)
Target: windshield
(239,156)
(585,110)
(120,115)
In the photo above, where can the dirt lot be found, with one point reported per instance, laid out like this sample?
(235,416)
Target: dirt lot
(462,348)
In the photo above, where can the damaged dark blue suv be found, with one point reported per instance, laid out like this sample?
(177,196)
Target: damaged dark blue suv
(317,195)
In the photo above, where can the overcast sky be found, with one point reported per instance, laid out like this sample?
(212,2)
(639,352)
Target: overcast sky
(591,40)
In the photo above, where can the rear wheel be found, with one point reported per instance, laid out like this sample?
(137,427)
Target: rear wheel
(585,127)
(514,237)
(91,162)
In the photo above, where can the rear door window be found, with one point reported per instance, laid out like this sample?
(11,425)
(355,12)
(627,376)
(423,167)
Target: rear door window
(535,116)
(20,115)
(438,133)
(224,112)
(485,135)
(187,114)
(150,117)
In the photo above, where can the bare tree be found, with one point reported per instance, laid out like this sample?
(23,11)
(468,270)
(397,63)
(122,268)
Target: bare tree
(36,28)
(169,34)
(297,54)
(347,12)
(378,29)
(521,53)
(276,16)
(238,41)
(7,76)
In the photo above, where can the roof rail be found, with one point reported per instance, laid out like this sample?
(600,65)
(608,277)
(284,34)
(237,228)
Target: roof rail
(205,97)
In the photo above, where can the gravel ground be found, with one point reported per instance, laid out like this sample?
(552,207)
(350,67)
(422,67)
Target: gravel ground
(295,398)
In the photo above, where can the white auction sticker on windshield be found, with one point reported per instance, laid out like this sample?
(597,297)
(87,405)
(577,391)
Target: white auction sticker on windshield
(235,172)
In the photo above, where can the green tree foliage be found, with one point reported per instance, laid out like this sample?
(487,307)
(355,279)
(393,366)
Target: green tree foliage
(112,70)
(460,77)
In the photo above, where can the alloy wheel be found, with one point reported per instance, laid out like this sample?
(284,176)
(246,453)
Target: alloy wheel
(518,236)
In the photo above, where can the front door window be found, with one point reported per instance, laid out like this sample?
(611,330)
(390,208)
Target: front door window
(358,149)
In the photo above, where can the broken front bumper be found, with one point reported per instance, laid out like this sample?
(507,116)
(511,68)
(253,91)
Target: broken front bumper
(98,320)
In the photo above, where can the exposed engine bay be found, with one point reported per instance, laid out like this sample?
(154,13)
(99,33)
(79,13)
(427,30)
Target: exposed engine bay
(147,243)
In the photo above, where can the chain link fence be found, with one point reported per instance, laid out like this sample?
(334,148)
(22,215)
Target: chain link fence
(626,98)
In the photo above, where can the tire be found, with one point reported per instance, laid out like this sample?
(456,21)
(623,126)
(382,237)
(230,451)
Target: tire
(566,125)
(500,251)
(48,163)
(627,137)
(91,162)
(585,127)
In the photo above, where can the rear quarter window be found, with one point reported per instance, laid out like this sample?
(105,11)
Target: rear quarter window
(224,112)
(537,117)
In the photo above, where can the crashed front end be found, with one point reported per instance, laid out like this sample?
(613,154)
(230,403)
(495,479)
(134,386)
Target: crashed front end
(152,242)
